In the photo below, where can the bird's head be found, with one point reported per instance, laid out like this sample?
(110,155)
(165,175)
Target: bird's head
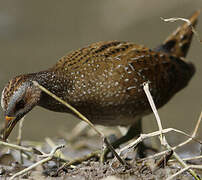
(18,97)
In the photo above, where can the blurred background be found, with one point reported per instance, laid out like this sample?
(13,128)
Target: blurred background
(35,34)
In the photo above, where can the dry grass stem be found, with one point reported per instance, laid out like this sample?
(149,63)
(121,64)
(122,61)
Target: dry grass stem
(181,144)
(197,125)
(185,169)
(153,134)
(48,158)
(58,153)
(16,147)
(174,19)
(193,134)
(123,162)
(19,138)
(149,97)
(79,160)
(165,143)
(188,159)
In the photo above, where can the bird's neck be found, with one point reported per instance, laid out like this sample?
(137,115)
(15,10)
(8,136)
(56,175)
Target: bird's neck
(53,81)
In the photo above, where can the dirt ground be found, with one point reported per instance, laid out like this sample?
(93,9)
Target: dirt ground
(155,168)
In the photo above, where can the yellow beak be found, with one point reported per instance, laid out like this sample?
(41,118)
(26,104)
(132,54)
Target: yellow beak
(10,122)
(9,118)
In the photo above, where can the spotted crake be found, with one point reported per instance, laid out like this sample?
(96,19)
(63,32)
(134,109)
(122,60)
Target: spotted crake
(104,81)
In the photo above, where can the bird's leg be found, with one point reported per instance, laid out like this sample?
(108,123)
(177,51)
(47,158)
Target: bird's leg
(133,131)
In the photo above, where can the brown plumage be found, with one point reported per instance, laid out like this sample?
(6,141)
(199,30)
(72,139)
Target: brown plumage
(104,80)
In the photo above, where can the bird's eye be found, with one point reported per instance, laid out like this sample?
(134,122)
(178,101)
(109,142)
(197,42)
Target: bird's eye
(20,105)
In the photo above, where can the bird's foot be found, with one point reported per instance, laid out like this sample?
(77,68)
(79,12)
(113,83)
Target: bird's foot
(143,150)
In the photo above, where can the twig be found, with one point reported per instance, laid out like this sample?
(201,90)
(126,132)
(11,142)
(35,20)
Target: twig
(13,146)
(114,152)
(21,148)
(197,125)
(179,145)
(152,134)
(193,134)
(190,158)
(48,158)
(149,97)
(173,19)
(165,143)
(79,160)
(185,169)
(59,154)
(19,138)
(171,160)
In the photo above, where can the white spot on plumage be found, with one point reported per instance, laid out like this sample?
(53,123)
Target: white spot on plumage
(135,58)
(126,68)
(181,36)
(116,83)
(180,44)
(118,66)
(131,87)
(136,80)
(131,67)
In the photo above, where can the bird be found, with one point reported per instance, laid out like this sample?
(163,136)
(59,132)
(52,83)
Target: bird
(104,82)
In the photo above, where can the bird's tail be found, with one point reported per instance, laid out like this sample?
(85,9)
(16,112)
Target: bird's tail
(179,41)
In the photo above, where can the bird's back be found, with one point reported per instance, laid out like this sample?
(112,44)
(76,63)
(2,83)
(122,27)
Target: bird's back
(105,79)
